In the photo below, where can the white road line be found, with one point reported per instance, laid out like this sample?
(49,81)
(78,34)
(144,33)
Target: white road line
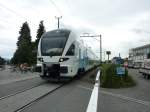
(92,106)
(146,103)
(97,76)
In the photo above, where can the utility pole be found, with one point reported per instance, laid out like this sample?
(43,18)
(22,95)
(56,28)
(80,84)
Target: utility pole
(100,49)
(119,54)
(58,18)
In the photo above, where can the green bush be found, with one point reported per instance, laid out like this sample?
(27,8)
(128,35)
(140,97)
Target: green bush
(109,78)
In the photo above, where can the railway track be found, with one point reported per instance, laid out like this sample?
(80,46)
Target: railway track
(48,93)
(21,91)
(20,100)
(36,100)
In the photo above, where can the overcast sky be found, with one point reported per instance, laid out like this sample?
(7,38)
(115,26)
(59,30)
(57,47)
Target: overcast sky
(123,24)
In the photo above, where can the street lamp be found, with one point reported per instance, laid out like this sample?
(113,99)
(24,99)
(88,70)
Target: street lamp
(100,41)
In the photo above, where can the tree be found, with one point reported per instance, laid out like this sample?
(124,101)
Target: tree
(108,53)
(23,53)
(40,32)
(2,61)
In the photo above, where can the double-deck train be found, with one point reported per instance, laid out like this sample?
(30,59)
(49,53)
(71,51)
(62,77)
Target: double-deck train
(62,53)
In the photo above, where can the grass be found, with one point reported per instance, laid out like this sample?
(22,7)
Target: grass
(109,78)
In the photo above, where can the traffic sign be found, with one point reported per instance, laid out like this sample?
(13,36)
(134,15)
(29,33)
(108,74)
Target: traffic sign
(120,71)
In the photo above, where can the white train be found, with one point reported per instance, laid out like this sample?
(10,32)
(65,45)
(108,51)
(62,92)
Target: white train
(61,53)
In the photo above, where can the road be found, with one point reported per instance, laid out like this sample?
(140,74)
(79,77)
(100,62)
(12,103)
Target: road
(75,96)
(70,96)
(12,82)
(11,88)
(135,99)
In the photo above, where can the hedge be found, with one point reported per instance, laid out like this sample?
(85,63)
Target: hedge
(110,79)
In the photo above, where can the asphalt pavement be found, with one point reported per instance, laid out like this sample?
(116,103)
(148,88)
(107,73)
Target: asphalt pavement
(70,98)
(141,91)
(75,96)
(12,82)
(18,101)
(133,99)
(11,88)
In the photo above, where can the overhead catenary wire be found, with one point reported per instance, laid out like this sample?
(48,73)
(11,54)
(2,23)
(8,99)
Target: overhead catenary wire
(68,4)
(12,11)
(16,13)
(3,21)
(93,36)
(57,8)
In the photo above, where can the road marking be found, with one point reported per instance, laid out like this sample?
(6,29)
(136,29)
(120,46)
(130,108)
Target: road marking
(92,106)
(97,76)
(146,103)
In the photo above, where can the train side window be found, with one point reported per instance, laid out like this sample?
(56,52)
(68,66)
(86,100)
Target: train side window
(71,50)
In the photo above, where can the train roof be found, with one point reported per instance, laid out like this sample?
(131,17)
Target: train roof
(57,33)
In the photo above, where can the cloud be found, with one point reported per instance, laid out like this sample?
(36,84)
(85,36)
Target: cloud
(2,27)
(122,23)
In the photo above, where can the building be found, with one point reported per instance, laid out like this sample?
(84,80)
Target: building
(139,54)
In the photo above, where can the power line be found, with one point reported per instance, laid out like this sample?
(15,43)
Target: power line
(68,4)
(56,7)
(12,11)
(4,20)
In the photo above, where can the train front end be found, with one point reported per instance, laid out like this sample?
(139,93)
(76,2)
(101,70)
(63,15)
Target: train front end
(52,55)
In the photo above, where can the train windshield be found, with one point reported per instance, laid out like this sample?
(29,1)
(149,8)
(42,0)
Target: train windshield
(53,46)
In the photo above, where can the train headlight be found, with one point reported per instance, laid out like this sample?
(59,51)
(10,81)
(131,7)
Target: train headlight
(61,60)
(40,59)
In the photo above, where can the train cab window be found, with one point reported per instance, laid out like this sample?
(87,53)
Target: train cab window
(71,50)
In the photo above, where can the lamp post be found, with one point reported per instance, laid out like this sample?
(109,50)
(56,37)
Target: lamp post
(100,42)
